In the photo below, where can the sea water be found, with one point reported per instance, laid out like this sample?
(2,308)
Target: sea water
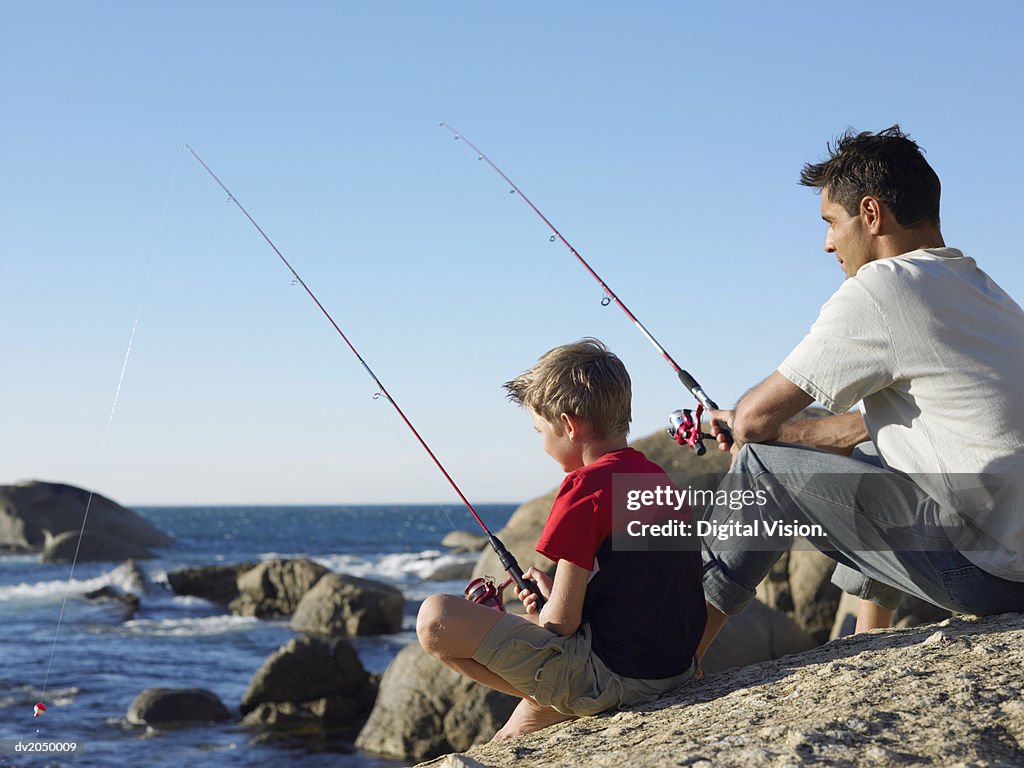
(100,660)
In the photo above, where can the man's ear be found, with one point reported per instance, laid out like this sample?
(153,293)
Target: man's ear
(872,213)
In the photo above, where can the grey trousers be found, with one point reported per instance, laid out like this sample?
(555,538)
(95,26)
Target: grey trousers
(882,529)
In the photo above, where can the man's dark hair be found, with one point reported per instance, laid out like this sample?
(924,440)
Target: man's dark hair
(887,165)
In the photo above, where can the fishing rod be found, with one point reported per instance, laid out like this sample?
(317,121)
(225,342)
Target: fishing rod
(477,591)
(685,425)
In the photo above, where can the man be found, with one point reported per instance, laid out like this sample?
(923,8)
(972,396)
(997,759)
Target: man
(934,350)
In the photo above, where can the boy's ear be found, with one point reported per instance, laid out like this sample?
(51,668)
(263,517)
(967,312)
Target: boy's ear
(572,425)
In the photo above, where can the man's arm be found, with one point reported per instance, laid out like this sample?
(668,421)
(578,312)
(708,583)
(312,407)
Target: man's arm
(763,413)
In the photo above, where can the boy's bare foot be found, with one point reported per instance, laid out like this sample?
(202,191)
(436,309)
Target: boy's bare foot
(529,716)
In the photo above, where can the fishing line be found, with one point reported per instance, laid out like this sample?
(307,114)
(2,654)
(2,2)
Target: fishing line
(40,707)
(686,431)
(506,558)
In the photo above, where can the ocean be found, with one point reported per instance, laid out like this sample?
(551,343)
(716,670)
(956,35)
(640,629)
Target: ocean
(99,662)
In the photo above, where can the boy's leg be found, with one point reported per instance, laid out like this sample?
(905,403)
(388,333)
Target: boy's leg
(529,716)
(451,628)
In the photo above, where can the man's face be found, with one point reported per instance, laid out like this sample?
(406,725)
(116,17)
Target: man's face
(847,236)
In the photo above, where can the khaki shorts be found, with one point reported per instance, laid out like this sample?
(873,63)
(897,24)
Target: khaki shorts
(562,672)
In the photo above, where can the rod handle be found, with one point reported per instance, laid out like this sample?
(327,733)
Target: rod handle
(508,562)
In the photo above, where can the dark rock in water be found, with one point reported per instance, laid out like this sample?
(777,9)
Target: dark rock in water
(30,508)
(425,709)
(310,684)
(128,600)
(94,547)
(471,542)
(216,583)
(274,587)
(176,705)
(347,605)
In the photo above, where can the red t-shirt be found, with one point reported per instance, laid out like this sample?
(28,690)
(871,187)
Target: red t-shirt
(646,609)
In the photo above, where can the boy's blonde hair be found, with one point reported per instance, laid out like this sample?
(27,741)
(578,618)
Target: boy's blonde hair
(585,380)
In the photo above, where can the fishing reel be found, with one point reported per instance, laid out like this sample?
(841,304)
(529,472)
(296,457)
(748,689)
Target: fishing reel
(482,591)
(684,428)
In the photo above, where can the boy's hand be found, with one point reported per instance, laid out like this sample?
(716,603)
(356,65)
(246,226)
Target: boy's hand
(543,582)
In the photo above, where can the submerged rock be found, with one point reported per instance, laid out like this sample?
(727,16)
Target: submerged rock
(346,605)
(216,583)
(176,705)
(29,509)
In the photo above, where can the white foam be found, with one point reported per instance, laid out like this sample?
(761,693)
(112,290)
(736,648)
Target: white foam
(43,590)
(188,627)
(397,568)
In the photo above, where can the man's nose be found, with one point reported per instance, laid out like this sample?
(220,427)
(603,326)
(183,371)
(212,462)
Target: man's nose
(829,245)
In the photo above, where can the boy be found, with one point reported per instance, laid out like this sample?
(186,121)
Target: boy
(617,628)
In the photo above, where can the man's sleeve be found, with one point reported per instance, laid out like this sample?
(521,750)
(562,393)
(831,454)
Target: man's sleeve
(573,531)
(848,353)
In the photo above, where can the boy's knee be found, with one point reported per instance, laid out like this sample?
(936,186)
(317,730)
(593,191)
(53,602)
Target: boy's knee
(430,622)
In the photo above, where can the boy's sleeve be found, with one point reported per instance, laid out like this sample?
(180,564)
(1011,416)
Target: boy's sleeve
(575,529)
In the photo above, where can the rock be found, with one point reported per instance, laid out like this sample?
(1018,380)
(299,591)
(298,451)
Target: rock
(94,547)
(309,682)
(176,705)
(758,634)
(216,583)
(883,698)
(471,542)
(800,586)
(453,572)
(424,709)
(274,588)
(30,508)
(346,605)
(128,600)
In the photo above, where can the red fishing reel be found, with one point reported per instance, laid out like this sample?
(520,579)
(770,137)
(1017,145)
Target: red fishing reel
(483,592)
(684,428)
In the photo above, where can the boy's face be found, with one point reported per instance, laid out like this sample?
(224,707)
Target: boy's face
(558,444)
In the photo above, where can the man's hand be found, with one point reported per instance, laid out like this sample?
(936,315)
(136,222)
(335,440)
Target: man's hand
(720,419)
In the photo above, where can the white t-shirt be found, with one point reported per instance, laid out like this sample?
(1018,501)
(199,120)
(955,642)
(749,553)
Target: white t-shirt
(935,349)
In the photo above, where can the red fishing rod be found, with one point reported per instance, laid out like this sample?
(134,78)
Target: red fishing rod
(685,424)
(508,562)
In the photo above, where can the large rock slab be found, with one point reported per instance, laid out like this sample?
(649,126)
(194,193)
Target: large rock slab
(950,694)
(75,546)
(162,706)
(29,509)
(424,709)
(310,683)
(274,588)
(340,605)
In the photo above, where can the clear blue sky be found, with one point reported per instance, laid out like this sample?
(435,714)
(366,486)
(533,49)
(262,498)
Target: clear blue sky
(663,138)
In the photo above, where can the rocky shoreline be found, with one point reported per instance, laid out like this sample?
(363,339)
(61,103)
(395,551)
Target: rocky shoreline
(945,694)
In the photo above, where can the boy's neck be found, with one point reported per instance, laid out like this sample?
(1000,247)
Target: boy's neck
(595,449)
